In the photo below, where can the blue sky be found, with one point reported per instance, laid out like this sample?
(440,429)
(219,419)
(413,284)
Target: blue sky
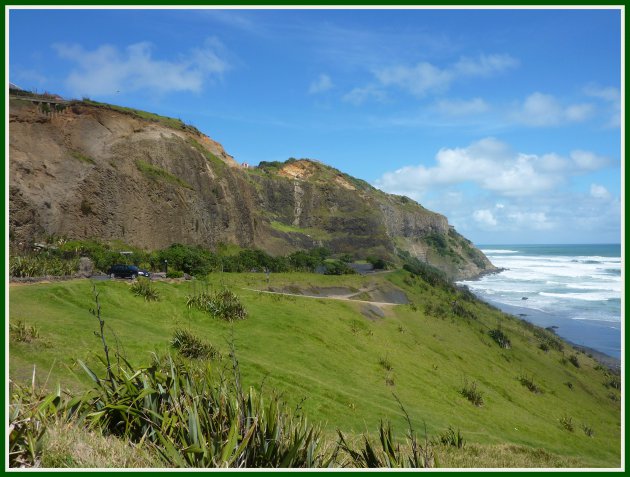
(505,121)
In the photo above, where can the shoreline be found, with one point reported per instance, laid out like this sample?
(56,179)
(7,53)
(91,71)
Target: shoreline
(554,323)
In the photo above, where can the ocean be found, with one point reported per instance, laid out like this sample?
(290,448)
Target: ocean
(574,288)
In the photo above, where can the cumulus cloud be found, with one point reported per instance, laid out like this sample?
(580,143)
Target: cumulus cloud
(321,84)
(485,218)
(493,166)
(588,161)
(612,100)
(599,192)
(540,109)
(106,69)
(360,95)
(425,78)
(418,80)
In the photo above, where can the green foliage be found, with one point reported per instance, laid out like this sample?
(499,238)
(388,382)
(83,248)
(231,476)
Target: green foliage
(190,346)
(500,338)
(23,333)
(29,411)
(79,156)
(573,359)
(470,392)
(377,262)
(174,274)
(528,382)
(337,267)
(450,438)
(223,304)
(566,422)
(429,274)
(387,453)
(588,430)
(41,265)
(143,287)
(157,173)
(196,418)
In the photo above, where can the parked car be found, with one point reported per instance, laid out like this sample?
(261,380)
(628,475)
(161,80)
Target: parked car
(127,271)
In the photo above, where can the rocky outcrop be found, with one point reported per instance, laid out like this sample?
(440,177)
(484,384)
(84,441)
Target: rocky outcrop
(98,171)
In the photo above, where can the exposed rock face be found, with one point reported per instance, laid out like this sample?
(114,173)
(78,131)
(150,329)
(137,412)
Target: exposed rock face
(97,172)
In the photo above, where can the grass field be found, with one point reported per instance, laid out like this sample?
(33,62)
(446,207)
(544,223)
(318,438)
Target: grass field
(344,365)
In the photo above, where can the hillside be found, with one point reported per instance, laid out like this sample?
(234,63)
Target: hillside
(343,361)
(88,170)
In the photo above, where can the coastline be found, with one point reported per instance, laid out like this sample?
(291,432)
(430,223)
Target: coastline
(564,328)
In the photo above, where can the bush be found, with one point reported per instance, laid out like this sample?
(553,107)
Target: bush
(450,438)
(500,338)
(223,304)
(573,359)
(567,423)
(470,392)
(337,267)
(174,274)
(142,287)
(190,346)
(529,384)
(22,333)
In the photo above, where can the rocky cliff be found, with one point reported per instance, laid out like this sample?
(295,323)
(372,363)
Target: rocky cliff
(88,170)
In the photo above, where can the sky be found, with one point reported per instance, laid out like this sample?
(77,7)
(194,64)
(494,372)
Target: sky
(505,121)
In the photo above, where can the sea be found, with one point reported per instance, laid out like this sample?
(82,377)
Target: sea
(576,290)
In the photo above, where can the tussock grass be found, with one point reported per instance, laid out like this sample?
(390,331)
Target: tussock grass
(143,287)
(470,392)
(190,346)
(21,332)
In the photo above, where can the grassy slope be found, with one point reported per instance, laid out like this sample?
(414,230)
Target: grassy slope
(328,352)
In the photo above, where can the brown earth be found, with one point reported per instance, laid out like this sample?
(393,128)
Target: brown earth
(96,172)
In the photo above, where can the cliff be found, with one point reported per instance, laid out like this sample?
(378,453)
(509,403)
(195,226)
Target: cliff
(89,170)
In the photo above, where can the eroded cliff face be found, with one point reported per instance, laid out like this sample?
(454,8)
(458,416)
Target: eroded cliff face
(96,172)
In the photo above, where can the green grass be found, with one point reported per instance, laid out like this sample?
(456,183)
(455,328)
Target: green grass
(317,234)
(164,120)
(309,348)
(157,173)
(79,156)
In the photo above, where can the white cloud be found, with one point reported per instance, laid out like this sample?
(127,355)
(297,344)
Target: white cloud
(540,109)
(106,70)
(418,80)
(359,95)
(534,220)
(599,192)
(461,107)
(321,84)
(612,99)
(484,65)
(491,165)
(425,78)
(587,161)
(485,218)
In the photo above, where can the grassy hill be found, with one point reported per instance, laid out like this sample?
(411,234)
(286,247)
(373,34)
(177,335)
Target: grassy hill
(342,361)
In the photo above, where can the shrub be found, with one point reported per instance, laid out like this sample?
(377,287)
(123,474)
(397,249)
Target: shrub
(588,430)
(614,382)
(29,412)
(388,454)
(194,418)
(223,304)
(470,392)
(22,333)
(385,363)
(573,359)
(450,438)
(190,346)
(142,287)
(500,338)
(567,423)
(529,384)
(174,274)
